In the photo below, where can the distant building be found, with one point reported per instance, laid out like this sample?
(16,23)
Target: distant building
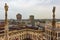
(2,24)
(31,19)
(19,17)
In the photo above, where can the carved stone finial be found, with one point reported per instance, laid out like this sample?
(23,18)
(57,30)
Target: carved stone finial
(6,7)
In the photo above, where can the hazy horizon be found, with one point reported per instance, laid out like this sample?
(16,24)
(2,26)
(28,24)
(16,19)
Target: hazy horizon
(41,9)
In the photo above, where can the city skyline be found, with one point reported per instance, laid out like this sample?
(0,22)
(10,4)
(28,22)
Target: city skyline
(38,8)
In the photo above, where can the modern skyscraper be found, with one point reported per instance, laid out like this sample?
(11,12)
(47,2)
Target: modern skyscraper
(31,19)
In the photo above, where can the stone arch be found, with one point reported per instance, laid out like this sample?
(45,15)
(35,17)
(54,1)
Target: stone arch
(27,39)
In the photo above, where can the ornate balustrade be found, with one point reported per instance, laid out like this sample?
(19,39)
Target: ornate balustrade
(24,33)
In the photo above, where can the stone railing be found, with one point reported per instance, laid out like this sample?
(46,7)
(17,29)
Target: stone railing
(22,34)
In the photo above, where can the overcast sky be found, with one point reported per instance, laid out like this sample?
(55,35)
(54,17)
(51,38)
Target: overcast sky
(41,9)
